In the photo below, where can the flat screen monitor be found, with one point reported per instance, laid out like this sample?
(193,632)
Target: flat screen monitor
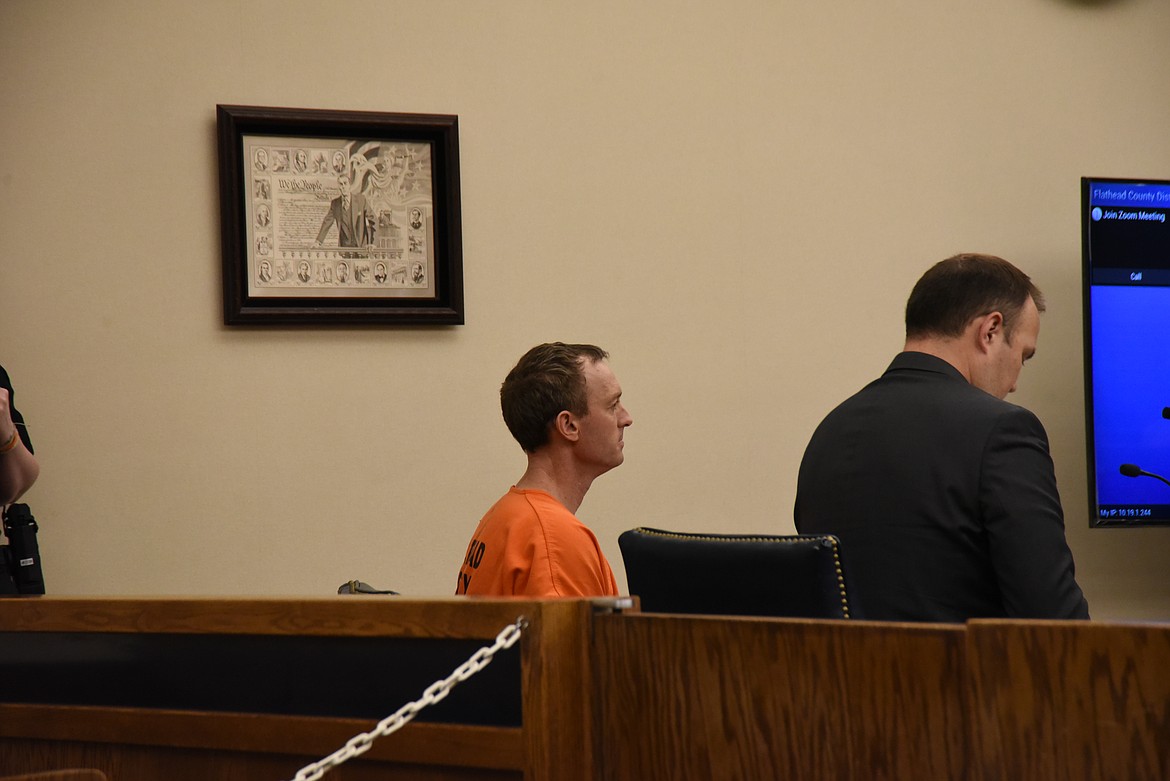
(1125,240)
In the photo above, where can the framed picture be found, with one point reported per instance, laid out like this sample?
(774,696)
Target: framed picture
(341,217)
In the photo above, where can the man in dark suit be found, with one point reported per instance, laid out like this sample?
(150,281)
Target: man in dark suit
(352,216)
(942,493)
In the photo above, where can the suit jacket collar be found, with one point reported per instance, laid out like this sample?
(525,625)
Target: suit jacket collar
(912,361)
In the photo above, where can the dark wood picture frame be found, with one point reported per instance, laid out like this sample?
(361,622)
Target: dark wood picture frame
(388,251)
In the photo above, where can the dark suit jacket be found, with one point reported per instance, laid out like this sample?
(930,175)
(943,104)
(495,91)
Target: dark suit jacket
(351,225)
(944,498)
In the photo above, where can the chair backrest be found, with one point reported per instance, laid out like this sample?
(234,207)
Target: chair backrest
(736,574)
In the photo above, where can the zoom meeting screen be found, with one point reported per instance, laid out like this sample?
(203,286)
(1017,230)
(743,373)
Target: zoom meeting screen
(1126,250)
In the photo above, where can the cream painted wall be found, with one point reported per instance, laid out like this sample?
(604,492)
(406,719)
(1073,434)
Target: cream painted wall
(734,198)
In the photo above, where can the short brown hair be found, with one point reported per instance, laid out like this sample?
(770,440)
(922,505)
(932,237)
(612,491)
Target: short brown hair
(955,291)
(545,382)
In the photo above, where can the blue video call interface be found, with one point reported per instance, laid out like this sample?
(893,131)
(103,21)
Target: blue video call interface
(1126,247)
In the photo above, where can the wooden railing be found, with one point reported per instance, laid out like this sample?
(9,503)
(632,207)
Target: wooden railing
(1069,700)
(192,689)
(740,698)
(590,693)
(724,698)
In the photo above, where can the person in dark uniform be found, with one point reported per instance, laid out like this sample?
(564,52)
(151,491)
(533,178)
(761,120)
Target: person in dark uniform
(18,466)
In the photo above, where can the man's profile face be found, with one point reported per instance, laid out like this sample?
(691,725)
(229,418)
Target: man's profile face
(603,426)
(1007,357)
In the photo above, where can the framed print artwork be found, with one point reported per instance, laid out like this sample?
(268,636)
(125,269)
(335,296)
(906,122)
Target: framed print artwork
(339,217)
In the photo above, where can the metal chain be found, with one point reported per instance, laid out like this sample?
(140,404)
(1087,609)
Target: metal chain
(359,744)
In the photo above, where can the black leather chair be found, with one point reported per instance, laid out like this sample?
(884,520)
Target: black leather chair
(736,574)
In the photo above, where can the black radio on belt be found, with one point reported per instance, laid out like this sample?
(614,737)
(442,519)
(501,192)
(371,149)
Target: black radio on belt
(20,559)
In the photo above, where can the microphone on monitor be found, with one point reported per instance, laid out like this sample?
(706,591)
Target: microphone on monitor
(1133,470)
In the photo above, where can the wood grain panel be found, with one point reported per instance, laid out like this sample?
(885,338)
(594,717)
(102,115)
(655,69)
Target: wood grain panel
(367,615)
(309,737)
(1070,700)
(129,762)
(736,699)
(558,694)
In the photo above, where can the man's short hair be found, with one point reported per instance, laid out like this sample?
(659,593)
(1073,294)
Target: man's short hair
(955,291)
(546,381)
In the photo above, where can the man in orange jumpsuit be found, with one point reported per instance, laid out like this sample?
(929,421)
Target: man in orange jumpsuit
(563,404)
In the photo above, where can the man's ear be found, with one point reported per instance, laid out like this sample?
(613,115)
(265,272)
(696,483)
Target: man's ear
(990,328)
(565,424)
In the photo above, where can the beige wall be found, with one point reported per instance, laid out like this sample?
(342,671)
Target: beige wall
(734,198)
